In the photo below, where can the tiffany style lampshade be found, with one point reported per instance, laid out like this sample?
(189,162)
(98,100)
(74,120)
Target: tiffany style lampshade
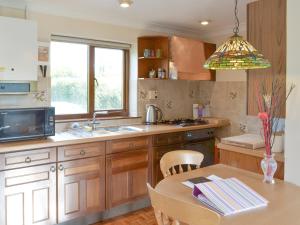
(236,54)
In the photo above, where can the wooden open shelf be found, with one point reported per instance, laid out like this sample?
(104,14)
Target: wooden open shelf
(145,64)
(151,58)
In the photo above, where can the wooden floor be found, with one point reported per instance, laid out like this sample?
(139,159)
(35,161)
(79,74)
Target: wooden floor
(141,217)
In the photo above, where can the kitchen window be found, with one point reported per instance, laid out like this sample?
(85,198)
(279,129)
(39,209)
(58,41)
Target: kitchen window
(88,76)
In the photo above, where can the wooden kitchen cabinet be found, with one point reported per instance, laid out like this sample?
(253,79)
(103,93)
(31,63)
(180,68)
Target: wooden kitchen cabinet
(247,162)
(128,144)
(158,153)
(267,33)
(168,139)
(126,176)
(28,196)
(189,56)
(81,187)
(14,160)
(80,151)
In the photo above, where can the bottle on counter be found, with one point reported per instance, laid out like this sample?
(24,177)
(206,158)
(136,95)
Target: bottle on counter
(206,110)
(200,111)
(195,111)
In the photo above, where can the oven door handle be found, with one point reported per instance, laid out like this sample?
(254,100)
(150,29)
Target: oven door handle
(4,128)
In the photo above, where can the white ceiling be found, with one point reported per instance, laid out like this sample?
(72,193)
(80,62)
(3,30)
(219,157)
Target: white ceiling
(180,15)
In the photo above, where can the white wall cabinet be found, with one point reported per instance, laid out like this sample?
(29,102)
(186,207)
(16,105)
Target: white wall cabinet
(19,49)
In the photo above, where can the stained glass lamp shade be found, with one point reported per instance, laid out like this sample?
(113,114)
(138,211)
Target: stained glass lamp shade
(236,54)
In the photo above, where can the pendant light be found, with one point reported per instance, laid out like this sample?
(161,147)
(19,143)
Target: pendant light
(236,53)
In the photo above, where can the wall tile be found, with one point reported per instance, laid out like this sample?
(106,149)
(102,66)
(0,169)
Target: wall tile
(227,99)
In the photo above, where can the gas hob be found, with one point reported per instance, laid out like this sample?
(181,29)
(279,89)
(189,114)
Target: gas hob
(185,122)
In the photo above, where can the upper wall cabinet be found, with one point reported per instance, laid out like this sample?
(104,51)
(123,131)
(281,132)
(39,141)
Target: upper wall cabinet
(189,56)
(267,33)
(19,49)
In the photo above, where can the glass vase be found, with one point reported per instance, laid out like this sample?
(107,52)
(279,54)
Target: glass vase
(269,167)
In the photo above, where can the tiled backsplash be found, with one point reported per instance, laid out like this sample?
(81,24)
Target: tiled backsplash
(175,98)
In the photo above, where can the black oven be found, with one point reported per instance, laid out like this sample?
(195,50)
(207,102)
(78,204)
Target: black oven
(26,123)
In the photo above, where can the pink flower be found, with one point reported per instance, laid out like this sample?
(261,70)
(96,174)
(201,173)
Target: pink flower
(263,115)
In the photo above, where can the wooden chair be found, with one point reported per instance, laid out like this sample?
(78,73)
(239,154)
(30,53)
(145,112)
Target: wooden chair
(170,211)
(179,158)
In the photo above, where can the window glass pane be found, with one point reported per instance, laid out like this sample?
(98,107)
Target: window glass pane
(69,78)
(109,74)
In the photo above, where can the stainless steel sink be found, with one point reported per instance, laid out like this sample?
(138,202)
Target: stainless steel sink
(123,129)
(103,131)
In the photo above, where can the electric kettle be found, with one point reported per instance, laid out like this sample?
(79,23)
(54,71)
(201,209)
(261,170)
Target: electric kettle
(154,114)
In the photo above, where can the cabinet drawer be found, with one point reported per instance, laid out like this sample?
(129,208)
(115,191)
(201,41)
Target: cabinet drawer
(27,158)
(168,139)
(128,161)
(80,151)
(123,145)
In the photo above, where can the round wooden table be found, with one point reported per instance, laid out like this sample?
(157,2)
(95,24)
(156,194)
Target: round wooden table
(283,197)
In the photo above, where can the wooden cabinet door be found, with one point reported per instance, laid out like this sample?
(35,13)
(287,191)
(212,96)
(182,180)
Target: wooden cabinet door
(126,177)
(81,187)
(158,153)
(266,28)
(248,162)
(28,196)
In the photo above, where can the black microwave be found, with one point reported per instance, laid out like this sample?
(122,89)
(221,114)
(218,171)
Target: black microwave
(26,123)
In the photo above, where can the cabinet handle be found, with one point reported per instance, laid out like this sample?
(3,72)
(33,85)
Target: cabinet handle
(61,167)
(52,169)
(82,152)
(27,160)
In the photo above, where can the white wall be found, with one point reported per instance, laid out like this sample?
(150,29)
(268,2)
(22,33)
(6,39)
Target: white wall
(292,143)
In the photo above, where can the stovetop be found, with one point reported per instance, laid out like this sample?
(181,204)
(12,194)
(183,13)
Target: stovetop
(185,122)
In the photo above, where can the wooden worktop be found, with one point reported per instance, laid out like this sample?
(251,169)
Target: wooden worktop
(257,152)
(62,138)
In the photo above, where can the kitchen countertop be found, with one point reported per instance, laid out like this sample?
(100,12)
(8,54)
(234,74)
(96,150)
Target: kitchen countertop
(257,152)
(62,138)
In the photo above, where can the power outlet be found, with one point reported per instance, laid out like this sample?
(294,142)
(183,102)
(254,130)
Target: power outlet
(153,95)
(243,127)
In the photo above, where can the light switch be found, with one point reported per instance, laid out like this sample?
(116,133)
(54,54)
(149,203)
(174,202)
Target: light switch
(153,94)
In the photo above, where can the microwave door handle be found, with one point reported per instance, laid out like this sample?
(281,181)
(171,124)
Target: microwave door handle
(4,128)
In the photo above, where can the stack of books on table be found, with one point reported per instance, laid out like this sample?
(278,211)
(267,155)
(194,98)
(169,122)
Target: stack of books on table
(228,196)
